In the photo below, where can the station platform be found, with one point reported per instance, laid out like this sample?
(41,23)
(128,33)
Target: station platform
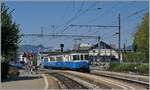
(24,81)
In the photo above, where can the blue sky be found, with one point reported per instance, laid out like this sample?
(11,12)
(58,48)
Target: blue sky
(32,15)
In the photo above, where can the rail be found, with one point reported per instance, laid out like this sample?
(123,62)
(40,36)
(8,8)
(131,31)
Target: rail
(136,78)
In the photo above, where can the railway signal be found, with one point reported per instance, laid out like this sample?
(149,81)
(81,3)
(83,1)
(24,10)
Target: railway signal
(61,46)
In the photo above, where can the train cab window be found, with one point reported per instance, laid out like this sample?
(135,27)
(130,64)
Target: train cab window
(75,57)
(81,57)
(86,57)
(41,57)
(45,59)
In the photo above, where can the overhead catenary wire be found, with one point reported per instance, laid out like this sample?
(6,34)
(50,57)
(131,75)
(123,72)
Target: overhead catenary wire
(65,12)
(137,12)
(109,11)
(78,15)
(80,9)
(65,28)
(112,10)
(102,14)
(133,14)
(133,19)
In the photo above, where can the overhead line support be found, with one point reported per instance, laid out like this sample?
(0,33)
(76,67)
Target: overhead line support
(45,35)
(93,25)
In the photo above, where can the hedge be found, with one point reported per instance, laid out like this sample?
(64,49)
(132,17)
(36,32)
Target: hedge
(142,68)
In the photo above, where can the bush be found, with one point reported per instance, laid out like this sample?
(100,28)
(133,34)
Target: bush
(137,57)
(142,69)
(35,62)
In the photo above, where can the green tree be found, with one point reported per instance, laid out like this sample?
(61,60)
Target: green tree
(9,39)
(141,39)
(9,34)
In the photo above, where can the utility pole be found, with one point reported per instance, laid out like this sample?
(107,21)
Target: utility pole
(53,29)
(99,45)
(42,30)
(77,43)
(119,38)
(60,35)
(99,48)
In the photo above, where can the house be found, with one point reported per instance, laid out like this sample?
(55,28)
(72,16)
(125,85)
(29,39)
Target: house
(106,53)
(82,46)
(21,57)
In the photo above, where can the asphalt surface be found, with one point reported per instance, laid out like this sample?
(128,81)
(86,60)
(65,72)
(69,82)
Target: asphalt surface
(24,81)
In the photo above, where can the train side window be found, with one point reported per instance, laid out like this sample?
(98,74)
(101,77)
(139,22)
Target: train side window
(75,57)
(81,57)
(59,58)
(52,59)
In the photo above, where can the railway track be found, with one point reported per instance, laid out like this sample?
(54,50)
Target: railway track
(79,80)
(68,82)
(145,84)
(91,84)
(108,82)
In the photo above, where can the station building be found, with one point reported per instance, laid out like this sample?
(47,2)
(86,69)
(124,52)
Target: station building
(106,53)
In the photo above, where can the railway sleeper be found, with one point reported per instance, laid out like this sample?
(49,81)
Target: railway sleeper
(68,82)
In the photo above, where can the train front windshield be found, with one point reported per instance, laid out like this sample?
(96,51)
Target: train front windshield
(45,59)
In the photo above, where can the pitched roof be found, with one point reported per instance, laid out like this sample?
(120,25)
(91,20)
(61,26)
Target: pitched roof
(102,45)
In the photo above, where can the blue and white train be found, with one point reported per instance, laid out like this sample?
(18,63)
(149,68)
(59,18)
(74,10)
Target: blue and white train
(71,61)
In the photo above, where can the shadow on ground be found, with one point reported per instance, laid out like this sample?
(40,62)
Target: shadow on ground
(22,78)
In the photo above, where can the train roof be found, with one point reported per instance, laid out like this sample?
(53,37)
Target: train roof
(67,52)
